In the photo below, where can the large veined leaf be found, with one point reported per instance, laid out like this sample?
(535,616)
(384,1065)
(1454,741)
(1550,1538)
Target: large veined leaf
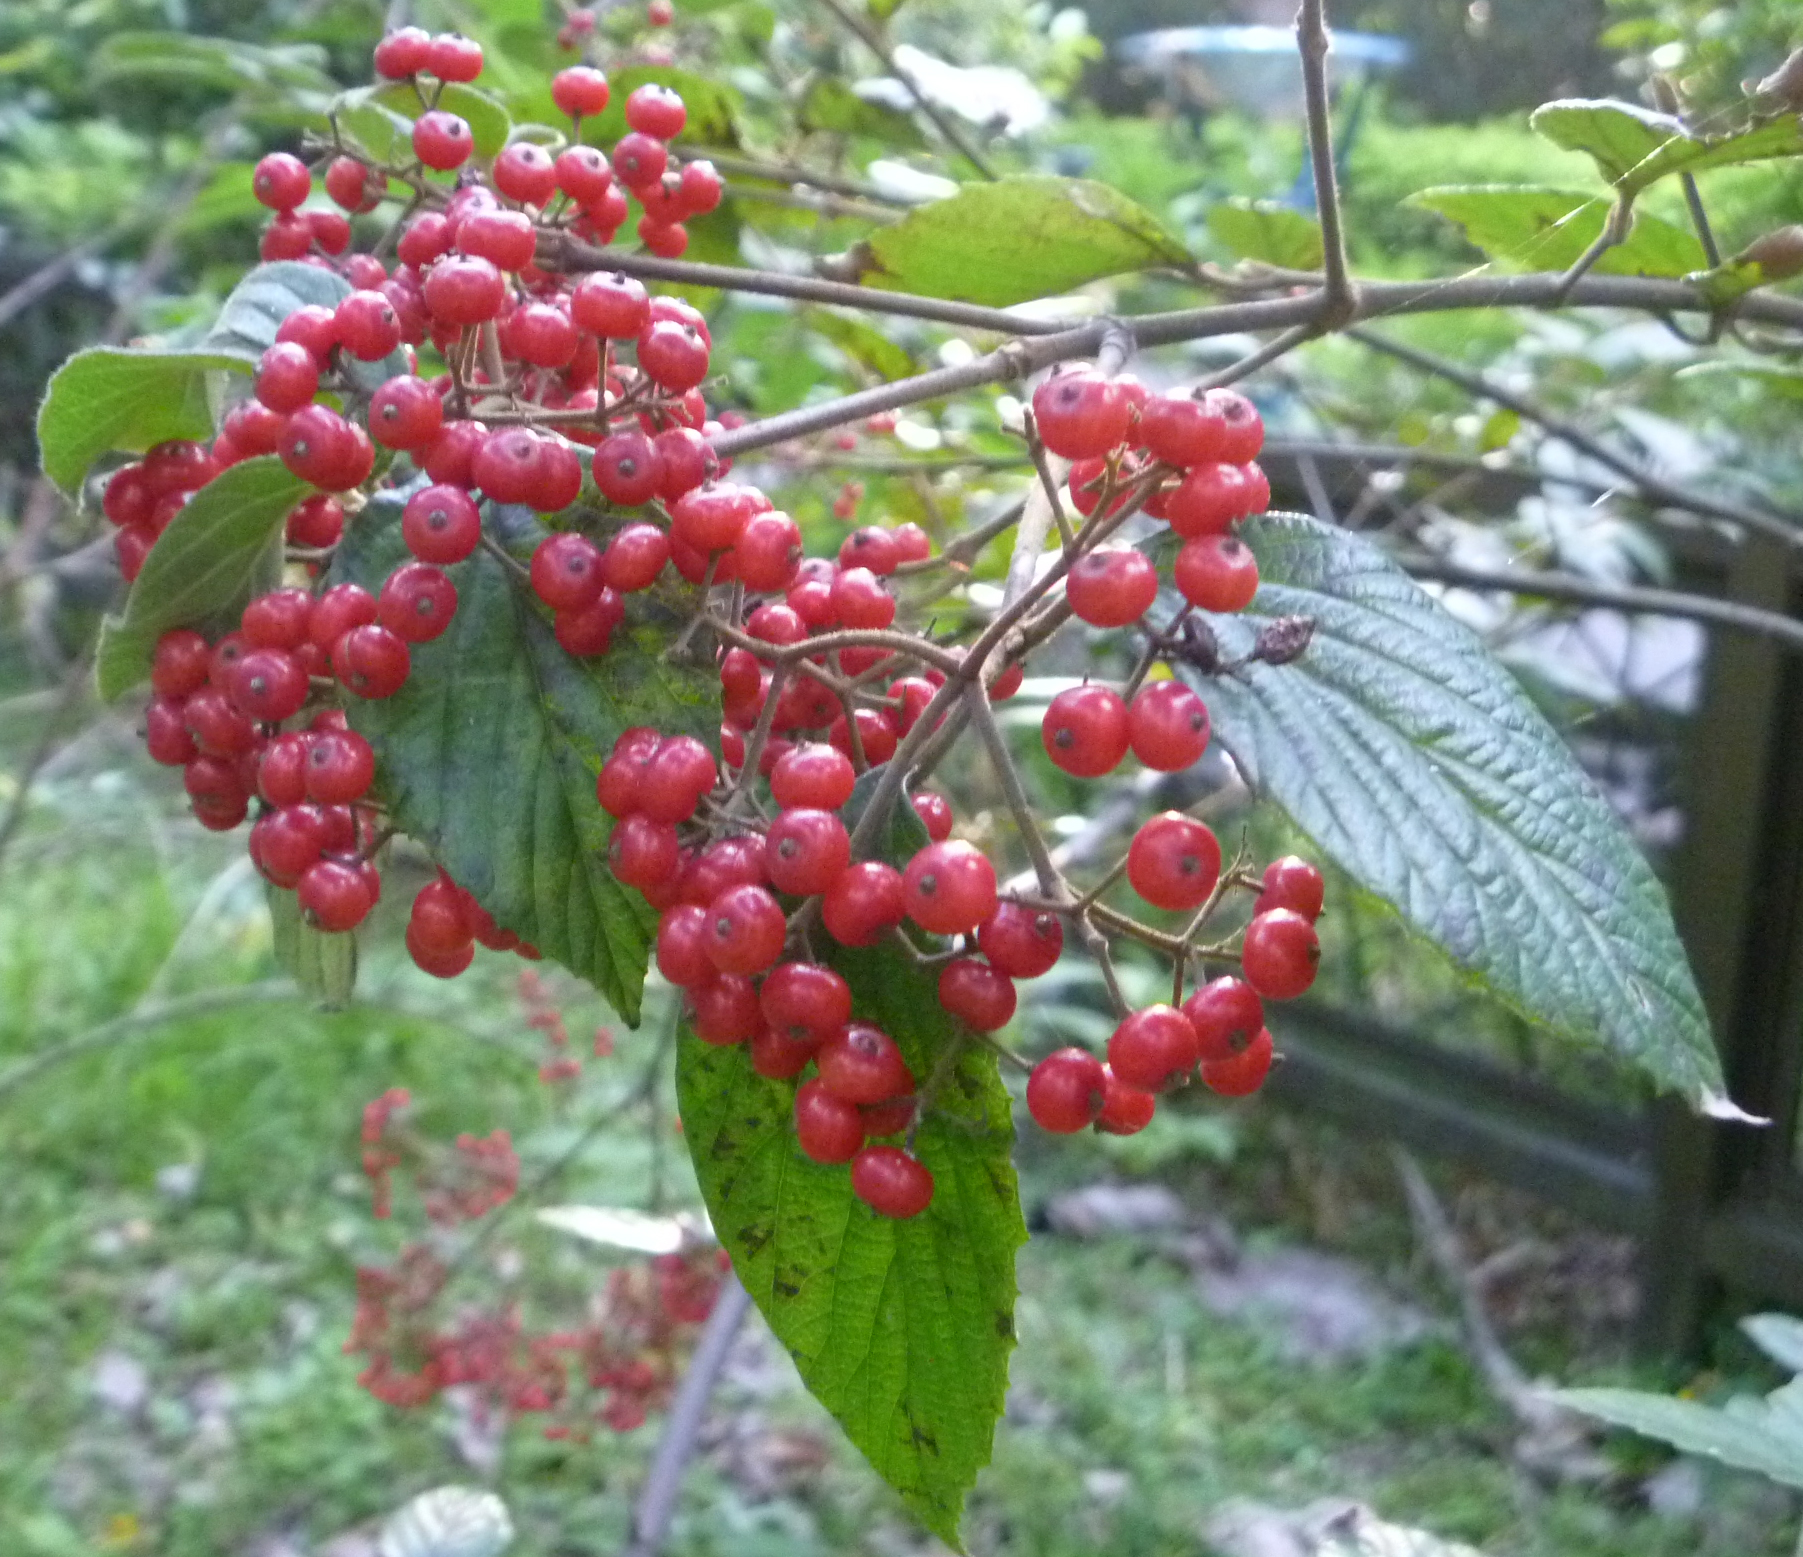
(488,755)
(1420,767)
(1015,240)
(901,1329)
(124,398)
(223,547)
(1634,147)
(1747,1433)
(1529,227)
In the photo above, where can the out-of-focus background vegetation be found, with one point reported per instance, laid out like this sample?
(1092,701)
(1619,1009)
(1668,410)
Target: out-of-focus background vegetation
(1230,1310)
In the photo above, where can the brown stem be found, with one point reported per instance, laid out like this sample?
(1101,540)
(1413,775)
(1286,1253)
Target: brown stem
(1339,301)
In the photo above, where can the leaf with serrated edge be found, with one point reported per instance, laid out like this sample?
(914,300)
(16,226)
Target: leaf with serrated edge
(323,966)
(218,551)
(1418,765)
(1750,1435)
(247,324)
(901,1329)
(489,753)
(1018,239)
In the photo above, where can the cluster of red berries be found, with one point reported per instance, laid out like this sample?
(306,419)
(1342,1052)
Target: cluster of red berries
(627,1350)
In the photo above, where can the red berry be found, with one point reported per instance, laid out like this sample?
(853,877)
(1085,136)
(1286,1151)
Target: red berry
(338,610)
(807,851)
(1226,1014)
(504,238)
(287,237)
(635,557)
(870,546)
(1208,500)
(441,965)
(282,769)
(660,13)
(453,57)
(876,733)
(351,185)
(1174,861)
(656,111)
(674,355)
(862,1064)
(682,945)
(417,602)
(1217,573)
(589,631)
(827,1128)
(441,524)
(1112,587)
(669,240)
(1086,730)
(579,91)
(805,1002)
(1021,942)
(335,896)
(1241,1074)
(316,445)
(1245,428)
(1125,1110)
(680,773)
(526,173)
(613,306)
(286,843)
(817,777)
(935,813)
(403,52)
(219,728)
(1167,725)
(890,1182)
(1080,414)
(863,904)
(1152,1046)
(978,995)
(339,767)
(566,572)
(372,661)
(712,517)
(281,182)
(688,461)
(287,377)
(746,930)
(179,665)
(166,735)
(584,175)
(725,1010)
(642,851)
(269,685)
(775,1057)
(861,602)
(330,230)
(701,188)
(949,887)
(1280,954)
(1182,429)
(442,140)
(628,469)
(1066,1091)
(406,413)
(768,551)
(464,289)
(278,620)
(1294,884)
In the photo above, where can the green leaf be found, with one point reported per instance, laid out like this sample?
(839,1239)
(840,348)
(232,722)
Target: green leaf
(1420,767)
(223,547)
(1263,230)
(324,966)
(489,754)
(901,1329)
(832,107)
(225,63)
(248,322)
(1529,227)
(488,120)
(1017,239)
(903,836)
(1765,1436)
(1634,147)
(115,397)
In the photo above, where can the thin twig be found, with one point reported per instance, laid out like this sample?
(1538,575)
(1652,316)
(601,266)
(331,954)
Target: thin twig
(1338,298)
(943,122)
(1786,630)
(1651,484)
(1280,346)
(682,1426)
